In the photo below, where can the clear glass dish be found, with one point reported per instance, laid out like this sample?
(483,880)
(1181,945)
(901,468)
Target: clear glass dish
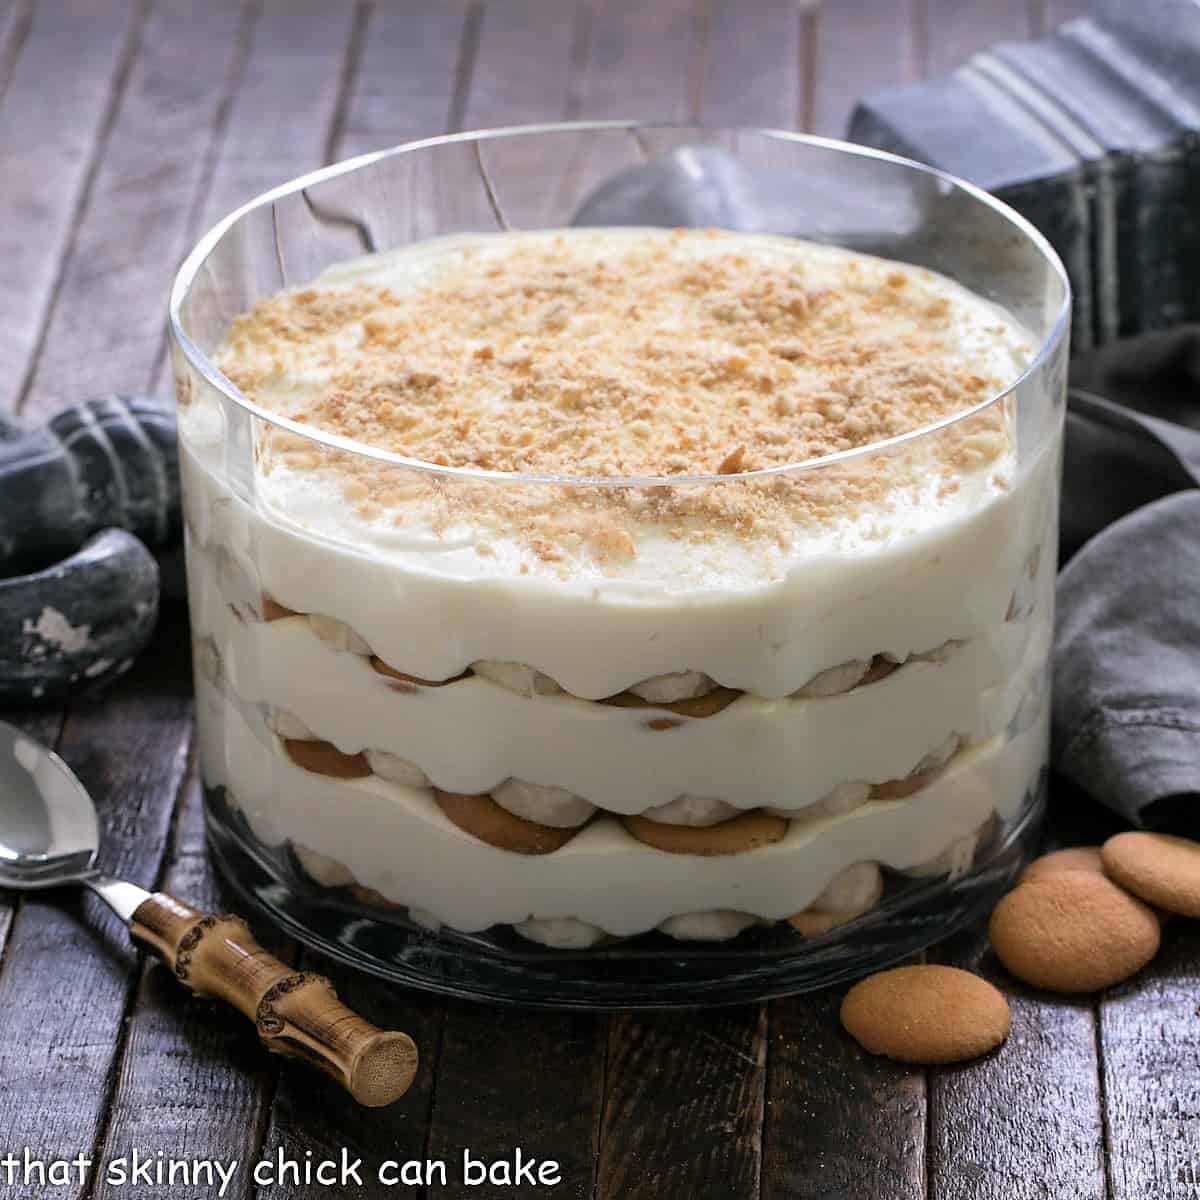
(379,719)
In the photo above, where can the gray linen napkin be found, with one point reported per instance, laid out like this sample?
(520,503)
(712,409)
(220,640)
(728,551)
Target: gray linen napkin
(1127,646)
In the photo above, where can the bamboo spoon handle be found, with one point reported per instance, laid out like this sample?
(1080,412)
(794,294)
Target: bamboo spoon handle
(296,1013)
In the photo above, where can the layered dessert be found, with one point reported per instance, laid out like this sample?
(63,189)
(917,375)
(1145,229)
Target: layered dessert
(637,637)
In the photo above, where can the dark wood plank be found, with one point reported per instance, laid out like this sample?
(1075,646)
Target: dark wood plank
(1023,1123)
(1055,12)
(839,1122)
(515,33)
(68,975)
(861,45)
(16,16)
(956,29)
(1150,1051)
(643,60)
(683,1109)
(294,61)
(550,33)
(530,1079)
(49,137)
(194,1079)
(283,114)
(406,82)
(106,329)
(752,70)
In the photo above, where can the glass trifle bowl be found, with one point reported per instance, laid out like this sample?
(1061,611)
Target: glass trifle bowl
(621,557)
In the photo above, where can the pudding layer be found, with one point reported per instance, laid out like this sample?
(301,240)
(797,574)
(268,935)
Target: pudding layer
(398,842)
(472,735)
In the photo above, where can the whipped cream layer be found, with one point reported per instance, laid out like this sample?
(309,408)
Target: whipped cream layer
(396,841)
(472,735)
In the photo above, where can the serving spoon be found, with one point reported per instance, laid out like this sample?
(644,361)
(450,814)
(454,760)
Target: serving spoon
(49,836)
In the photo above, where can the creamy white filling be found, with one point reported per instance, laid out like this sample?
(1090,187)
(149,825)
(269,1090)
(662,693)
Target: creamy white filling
(472,735)
(396,840)
(898,582)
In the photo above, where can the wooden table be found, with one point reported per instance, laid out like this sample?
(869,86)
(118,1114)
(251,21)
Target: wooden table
(126,128)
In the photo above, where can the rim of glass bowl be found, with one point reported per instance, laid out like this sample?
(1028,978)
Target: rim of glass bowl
(192,265)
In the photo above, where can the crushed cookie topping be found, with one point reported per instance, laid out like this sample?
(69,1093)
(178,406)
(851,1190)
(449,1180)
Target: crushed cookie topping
(622,353)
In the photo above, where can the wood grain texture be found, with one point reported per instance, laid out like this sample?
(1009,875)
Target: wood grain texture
(839,1122)
(683,1106)
(1150,1052)
(1023,1123)
(523,63)
(752,64)
(49,139)
(552,1062)
(1055,12)
(406,81)
(956,29)
(643,60)
(180,1050)
(105,332)
(522,70)
(860,46)
(58,1060)
(16,17)
(282,116)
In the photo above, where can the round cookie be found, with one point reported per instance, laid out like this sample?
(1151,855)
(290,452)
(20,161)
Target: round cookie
(1073,858)
(1161,869)
(483,818)
(322,758)
(926,1014)
(1073,931)
(748,831)
(406,683)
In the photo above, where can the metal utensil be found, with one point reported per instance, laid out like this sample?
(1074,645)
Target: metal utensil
(49,837)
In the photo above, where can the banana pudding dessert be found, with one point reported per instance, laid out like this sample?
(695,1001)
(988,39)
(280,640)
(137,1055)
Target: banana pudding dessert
(592,582)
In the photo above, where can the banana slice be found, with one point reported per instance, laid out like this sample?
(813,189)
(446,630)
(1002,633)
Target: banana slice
(863,887)
(283,723)
(696,811)
(396,769)
(718,925)
(680,685)
(326,871)
(561,933)
(338,634)
(834,681)
(844,798)
(955,860)
(516,677)
(424,918)
(553,806)
(207,660)
(854,889)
